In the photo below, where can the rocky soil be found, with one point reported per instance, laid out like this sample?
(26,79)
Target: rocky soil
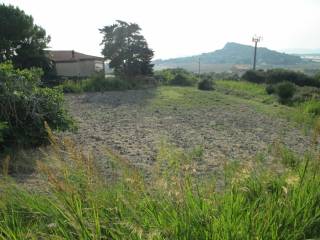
(124,122)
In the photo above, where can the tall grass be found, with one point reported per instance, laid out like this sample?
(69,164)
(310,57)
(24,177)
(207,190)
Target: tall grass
(95,84)
(172,203)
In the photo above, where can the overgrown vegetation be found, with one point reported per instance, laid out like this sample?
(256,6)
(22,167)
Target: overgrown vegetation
(290,86)
(25,107)
(285,91)
(176,77)
(254,76)
(252,203)
(99,83)
(206,83)
(274,76)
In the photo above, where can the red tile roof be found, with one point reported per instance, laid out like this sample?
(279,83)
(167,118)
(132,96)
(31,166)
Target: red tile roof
(70,56)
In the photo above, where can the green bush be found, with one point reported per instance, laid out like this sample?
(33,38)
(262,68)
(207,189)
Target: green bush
(285,91)
(274,76)
(270,89)
(176,77)
(98,83)
(254,76)
(25,106)
(164,76)
(206,84)
(181,80)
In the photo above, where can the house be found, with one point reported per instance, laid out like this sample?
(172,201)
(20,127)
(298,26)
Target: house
(74,64)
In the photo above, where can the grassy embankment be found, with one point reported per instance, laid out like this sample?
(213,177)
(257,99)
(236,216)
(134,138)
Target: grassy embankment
(238,93)
(255,203)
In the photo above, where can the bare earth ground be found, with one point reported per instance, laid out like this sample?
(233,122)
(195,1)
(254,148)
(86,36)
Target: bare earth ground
(133,124)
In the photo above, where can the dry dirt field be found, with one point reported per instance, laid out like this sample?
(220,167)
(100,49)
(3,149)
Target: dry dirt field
(226,127)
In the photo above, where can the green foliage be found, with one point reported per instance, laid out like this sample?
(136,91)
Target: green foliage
(25,106)
(176,77)
(72,86)
(288,158)
(311,107)
(270,89)
(181,80)
(99,83)
(23,42)
(254,76)
(255,202)
(274,76)
(206,83)
(164,76)
(126,49)
(285,91)
(305,94)
(298,78)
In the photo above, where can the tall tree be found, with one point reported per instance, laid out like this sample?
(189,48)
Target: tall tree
(21,41)
(126,49)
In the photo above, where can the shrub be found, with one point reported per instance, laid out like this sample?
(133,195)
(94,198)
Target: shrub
(176,77)
(206,84)
(98,83)
(270,89)
(285,91)
(254,76)
(164,76)
(274,76)
(306,93)
(70,86)
(181,80)
(25,106)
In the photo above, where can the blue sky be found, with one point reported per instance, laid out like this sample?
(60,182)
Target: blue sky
(175,28)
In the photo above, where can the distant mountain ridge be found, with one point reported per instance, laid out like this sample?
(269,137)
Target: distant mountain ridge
(235,53)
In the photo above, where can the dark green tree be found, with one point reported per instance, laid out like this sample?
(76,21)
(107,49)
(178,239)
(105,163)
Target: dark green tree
(21,41)
(126,49)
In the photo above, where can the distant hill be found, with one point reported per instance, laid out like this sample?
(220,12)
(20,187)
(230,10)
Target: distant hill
(233,54)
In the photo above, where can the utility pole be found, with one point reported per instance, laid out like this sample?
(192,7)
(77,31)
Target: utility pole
(255,39)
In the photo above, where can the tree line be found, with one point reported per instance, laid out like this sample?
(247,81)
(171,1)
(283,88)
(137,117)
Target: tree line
(24,43)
